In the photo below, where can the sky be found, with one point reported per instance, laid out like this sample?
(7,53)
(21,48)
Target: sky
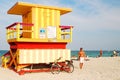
(96,22)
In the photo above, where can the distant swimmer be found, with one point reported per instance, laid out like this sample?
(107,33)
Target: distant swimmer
(100,53)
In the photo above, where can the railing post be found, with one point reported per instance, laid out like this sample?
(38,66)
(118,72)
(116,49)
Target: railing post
(7,34)
(71,34)
(12,34)
(59,33)
(32,36)
(64,36)
(18,31)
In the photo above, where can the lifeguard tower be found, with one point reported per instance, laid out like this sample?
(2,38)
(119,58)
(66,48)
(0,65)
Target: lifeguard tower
(39,38)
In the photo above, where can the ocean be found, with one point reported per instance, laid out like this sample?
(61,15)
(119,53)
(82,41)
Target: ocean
(94,53)
(89,53)
(2,52)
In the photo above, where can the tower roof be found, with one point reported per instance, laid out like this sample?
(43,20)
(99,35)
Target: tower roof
(21,8)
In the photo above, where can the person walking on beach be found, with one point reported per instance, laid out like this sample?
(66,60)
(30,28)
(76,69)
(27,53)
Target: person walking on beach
(81,57)
(101,52)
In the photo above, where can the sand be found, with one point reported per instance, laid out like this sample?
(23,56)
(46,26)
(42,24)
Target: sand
(95,69)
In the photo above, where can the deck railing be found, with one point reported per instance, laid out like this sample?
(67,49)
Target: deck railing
(66,33)
(15,30)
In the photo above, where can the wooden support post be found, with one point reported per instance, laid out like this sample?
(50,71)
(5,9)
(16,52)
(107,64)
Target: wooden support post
(13,61)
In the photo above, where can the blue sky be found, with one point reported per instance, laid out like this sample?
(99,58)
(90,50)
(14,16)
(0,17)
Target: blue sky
(96,22)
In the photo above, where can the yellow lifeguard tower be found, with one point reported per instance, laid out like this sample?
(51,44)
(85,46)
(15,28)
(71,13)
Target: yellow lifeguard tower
(39,38)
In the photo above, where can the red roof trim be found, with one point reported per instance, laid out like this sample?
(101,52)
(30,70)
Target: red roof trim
(24,24)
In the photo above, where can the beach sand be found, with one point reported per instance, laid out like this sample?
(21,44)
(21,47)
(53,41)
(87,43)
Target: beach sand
(103,68)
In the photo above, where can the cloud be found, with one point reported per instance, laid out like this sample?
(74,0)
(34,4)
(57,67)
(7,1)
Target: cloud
(98,26)
(105,17)
(92,20)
